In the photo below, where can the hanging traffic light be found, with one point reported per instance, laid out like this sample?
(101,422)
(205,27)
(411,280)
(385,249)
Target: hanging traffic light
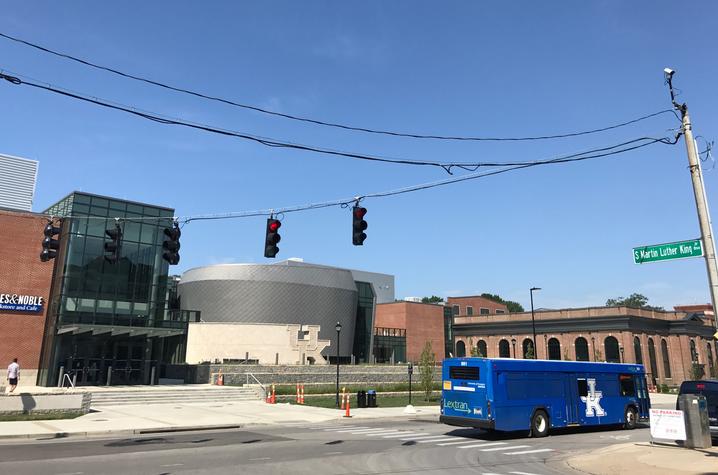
(272,237)
(172,245)
(358,225)
(112,248)
(50,245)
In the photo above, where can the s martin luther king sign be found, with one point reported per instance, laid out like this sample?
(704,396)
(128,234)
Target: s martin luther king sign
(21,303)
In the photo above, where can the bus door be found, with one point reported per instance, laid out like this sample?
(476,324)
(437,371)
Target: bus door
(571,396)
(644,403)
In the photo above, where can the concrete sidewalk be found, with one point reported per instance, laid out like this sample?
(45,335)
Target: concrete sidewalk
(174,417)
(646,459)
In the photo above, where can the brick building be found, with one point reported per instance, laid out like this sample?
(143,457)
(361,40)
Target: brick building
(475,305)
(415,323)
(673,346)
(24,290)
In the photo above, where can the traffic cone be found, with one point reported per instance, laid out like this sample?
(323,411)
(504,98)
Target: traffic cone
(274,396)
(301,394)
(220,379)
(298,398)
(347,414)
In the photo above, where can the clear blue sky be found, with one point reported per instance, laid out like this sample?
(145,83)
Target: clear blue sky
(467,68)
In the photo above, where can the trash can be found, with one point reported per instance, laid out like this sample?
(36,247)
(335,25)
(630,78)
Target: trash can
(361,398)
(695,410)
(371,398)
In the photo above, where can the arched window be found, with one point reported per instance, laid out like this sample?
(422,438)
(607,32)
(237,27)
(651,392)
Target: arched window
(637,350)
(610,345)
(554,349)
(581,349)
(709,352)
(652,359)
(460,349)
(694,353)
(666,359)
(504,351)
(482,349)
(528,347)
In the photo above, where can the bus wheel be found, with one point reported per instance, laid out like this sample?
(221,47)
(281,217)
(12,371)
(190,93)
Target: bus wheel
(630,418)
(539,424)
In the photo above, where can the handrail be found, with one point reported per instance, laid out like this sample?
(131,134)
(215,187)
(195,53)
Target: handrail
(67,376)
(260,384)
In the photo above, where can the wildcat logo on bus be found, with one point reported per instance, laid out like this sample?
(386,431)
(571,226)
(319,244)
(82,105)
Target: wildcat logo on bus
(457,406)
(593,400)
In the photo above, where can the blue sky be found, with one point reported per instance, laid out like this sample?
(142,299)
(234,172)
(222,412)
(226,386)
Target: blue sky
(462,68)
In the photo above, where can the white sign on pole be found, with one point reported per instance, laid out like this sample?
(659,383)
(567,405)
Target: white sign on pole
(667,424)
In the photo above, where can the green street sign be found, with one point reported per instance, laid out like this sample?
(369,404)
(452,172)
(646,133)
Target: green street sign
(671,250)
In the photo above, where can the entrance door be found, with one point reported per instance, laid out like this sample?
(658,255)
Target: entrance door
(571,395)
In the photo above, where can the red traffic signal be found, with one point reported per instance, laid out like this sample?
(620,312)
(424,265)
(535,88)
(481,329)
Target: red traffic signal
(358,225)
(272,237)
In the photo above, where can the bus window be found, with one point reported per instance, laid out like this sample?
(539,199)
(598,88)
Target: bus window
(470,373)
(628,387)
(582,387)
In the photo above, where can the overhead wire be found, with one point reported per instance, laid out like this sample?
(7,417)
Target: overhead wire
(321,122)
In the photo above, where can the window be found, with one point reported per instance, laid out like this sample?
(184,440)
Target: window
(666,358)
(469,310)
(528,347)
(483,311)
(709,352)
(499,311)
(637,350)
(628,387)
(455,309)
(694,353)
(610,344)
(460,349)
(470,373)
(554,349)
(582,387)
(581,349)
(652,358)
(482,349)
(504,351)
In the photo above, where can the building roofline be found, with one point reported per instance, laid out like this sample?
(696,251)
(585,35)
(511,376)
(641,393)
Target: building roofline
(106,197)
(410,302)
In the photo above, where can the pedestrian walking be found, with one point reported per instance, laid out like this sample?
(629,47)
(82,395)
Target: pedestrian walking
(13,374)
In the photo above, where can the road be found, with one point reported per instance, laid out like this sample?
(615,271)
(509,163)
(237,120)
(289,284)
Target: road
(339,447)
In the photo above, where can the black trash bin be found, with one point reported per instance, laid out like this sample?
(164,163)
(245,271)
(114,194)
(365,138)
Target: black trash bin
(361,398)
(371,398)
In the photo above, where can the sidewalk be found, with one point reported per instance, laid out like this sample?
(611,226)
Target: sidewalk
(646,459)
(173,417)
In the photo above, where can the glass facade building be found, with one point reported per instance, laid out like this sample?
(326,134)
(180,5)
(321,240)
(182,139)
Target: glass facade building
(364,323)
(110,323)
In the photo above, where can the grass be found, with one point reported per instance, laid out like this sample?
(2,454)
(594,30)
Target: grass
(382,400)
(291,389)
(38,417)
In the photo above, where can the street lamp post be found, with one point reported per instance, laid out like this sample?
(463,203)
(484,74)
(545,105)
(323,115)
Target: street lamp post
(533,320)
(339,330)
(622,358)
(513,343)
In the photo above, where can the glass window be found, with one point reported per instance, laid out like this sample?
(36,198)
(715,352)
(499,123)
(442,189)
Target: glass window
(611,346)
(637,350)
(581,349)
(148,233)
(101,202)
(504,351)
(482,349)
(131,231)
(483,311)
(499,311)
(469,310)
(460,349)
(528,347)
(652,358)
(455,309)
(469,373)
(666,358)
(133,208)
(554,349)
(79,198)
(628,387)
(582,387)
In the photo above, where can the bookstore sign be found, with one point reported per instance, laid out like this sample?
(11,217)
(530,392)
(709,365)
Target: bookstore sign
(21,303)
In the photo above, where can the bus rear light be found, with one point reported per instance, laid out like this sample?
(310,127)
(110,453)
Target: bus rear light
(488,409)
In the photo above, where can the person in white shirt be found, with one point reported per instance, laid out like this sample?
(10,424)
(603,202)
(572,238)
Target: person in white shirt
(13,374)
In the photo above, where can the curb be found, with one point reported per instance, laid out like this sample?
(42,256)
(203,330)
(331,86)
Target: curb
(145,431)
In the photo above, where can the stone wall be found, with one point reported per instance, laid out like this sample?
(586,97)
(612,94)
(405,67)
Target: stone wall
(51,403)
(314,374)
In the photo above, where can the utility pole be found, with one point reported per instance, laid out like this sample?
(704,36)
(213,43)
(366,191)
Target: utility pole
(704,219)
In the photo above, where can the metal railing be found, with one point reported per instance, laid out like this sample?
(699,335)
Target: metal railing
(67,377)
(264,389)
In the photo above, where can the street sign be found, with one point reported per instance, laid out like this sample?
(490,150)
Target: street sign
(671,250)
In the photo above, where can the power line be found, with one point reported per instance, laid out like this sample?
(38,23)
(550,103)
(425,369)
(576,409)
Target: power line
(325,123)
(282,144)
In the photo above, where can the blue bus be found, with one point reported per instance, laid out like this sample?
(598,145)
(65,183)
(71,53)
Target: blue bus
(537,395)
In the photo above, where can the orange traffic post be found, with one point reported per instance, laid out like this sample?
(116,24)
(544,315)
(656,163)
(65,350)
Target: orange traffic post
(347,414)
(220,379)
(274,395)
(301,394)
(298,398)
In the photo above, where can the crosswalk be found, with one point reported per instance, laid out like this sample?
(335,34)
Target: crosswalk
(428,439)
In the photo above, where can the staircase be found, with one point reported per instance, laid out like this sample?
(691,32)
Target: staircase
(181,394)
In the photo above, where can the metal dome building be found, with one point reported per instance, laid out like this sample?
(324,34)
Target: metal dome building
(291,292)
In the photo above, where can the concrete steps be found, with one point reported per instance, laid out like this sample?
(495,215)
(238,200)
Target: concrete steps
(178,395)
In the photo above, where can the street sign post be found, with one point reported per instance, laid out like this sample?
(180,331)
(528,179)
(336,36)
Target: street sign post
(671,250)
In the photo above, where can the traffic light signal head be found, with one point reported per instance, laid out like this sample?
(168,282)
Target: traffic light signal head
(272,237)
(172,245)
(50,245)
(358,225)
(112,247)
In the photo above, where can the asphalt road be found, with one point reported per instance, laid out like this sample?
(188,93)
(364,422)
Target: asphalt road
(340,447)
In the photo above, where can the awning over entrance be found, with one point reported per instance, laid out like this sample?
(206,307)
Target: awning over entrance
(117,330)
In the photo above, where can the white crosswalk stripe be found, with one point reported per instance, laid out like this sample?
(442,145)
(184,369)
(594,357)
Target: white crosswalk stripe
(492,449)
(364,431)
(435,436)
(445,439)
(462,441)
(481,445)
(528,452)
(405,434)
(388,432)
(522,473)
(346,427)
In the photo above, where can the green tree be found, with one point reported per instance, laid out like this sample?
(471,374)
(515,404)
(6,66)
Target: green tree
(432,299)
(529,355)
(427,362)
(514,307)
(634,300)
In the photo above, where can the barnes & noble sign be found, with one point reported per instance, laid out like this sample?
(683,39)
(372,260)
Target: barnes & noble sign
(21,303)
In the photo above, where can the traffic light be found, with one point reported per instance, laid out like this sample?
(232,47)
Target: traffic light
(358,225)
(50,245)
(272,238)
(172,245)
(112,248)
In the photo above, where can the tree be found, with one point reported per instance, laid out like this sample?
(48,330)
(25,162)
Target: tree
(514,307)
(432,299)
(529,355)
(634,301)
(427,362)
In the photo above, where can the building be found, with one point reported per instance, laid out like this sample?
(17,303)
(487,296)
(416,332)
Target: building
(403,328)
(285,312)
(17,185)
(673,346)
(475,305)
